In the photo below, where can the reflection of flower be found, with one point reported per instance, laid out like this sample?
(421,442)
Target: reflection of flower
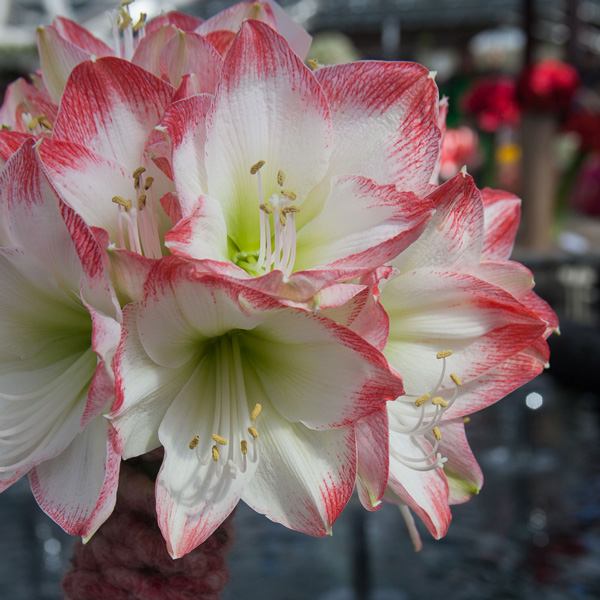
(493,103)
(460,147)
(548,85)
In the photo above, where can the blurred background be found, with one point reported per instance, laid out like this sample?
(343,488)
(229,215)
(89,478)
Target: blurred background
(523,82)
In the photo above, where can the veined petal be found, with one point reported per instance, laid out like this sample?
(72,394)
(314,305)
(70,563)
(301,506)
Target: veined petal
(317,372)
(372,440)
(461,469)
(304,477)
(231,19)
(147,53)
(502,212)
(10,142)
(23,101)
(425,492)
(454,235)
(111,105)
(173,17)
(385,121)
(268,106)
(184,124)
(361,226)
(81,37)
(78,488)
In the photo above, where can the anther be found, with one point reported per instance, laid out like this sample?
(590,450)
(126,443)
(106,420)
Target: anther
(126,20)
(289,195)
(256,412)
(127,2)
(149,181)
(138,172)
(266,208)
(194,442)
(466,419)
(46,124)
(219,439)
(280,178)
(244,445)
(141,22)
(256,167)
(420,401)
(439,401)
(313,64)
(456,379)
(253,432)
(141,201)
(444,354)
(126,204)
(215,453)
(437,434)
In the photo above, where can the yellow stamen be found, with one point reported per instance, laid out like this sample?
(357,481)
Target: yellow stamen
(194,442)
(256,167)
(456,379)
(420,401)
(215,453)
(266,208)
(437,434)
(444,354)
(138,172)
(282,218)
(256,412)
(141,22)
(37,121)
(126,20)
(280,178)
(127,2)
(141,201)
(219,439)
(244,445)
(438,400)
(126,204)
(313,64)
(46,124)
(466,419)
(253,432)
(149,181)
(289,195)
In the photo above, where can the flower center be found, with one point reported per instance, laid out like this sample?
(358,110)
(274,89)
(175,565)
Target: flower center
(420,416)
(277,248)
(138,218)
(121,22)
(234,441)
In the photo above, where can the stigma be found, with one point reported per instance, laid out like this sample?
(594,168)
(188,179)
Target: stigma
(277,249)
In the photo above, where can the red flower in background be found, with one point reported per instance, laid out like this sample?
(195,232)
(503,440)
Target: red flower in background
(459,147)
(586,125)
(548,85)
(586,192)
(493,103)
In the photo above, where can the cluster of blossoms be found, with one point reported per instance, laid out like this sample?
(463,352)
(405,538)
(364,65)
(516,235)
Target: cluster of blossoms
(208,246)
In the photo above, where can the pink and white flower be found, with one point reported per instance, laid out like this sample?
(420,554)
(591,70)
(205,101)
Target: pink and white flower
(251,400)
(59,329)
(284,177)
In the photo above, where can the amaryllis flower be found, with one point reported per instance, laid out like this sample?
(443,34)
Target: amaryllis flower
(290,180)
(465,329)
(59,328)
(170,46)
(250,400)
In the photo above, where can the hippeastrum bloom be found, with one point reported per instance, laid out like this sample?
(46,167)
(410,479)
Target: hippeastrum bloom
(170,46)
(452,302)
(59,328)
(249,398)
(284,176)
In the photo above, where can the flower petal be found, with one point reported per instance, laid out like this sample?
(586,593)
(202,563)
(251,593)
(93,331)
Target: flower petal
(111,105)
(268,106)
(78,488)
(385,122)
(502,212)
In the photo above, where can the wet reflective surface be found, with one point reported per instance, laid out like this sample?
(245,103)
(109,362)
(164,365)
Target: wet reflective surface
(533,531)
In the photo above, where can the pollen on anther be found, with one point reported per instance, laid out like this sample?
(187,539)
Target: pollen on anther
(219,439)
(148,183)
(438,400)
(313,64)
(256,412)
(444,354)
(138,172)
(194,442)
(466,419)
(266,208)
(253,432)
(280,178)
(437,434)
(126,204)
(420,401)
(141,201)
(456,379)
(256,167)
(244,445)
(289,195)
(215,453)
